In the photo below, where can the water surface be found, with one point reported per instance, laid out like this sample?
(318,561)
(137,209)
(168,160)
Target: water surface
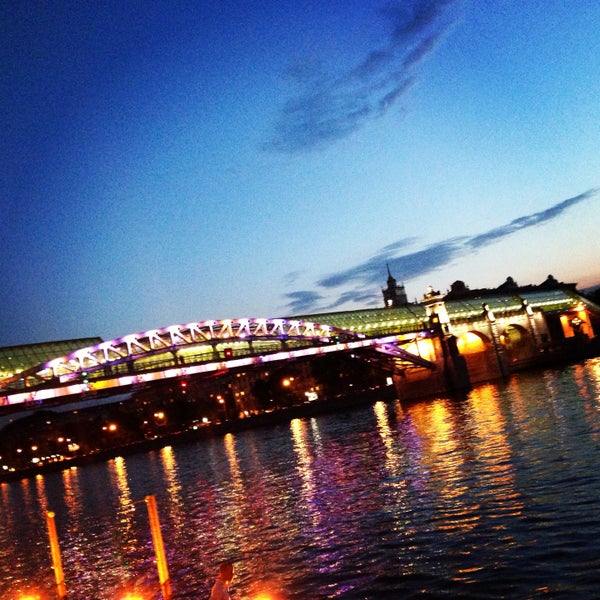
(493,496)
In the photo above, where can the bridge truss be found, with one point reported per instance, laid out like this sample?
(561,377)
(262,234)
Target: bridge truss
(180,351)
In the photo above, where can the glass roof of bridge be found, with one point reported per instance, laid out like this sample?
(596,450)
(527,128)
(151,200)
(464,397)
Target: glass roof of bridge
(371,318)
(409,317)
(14,359)
(553,299)
(546,300)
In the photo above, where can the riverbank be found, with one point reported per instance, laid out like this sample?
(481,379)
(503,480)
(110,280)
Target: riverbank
(189,436)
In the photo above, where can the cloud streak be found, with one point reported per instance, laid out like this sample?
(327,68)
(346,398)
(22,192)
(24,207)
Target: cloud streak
(300,300)
(331,106)
(367,275)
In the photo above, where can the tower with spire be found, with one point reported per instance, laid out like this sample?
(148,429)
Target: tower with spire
(394,295)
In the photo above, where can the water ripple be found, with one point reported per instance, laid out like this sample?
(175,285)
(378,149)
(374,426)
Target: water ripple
(492,497)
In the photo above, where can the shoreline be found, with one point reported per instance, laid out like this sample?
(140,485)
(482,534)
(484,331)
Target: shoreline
(266,419)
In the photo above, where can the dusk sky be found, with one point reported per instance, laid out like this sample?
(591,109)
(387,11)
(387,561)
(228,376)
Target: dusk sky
(171,162)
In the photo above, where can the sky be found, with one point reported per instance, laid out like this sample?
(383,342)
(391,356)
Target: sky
(173,162)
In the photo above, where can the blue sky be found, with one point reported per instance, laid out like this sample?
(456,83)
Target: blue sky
(164,163)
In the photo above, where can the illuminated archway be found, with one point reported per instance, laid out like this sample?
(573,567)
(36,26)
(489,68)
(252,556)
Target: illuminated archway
(478,352)
(518,343)
(472,342)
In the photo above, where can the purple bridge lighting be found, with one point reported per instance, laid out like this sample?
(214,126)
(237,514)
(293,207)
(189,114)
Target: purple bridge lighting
(179,351)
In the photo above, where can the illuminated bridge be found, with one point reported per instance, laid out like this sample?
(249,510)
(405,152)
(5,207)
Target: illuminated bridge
(493,332)
(180,351)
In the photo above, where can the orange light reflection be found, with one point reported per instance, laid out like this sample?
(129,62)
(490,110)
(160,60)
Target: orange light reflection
(170,469)
(393,461)
(437,424)
(495,450)
(265,591)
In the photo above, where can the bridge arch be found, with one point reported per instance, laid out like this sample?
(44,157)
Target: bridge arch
(518,343)
(479,354)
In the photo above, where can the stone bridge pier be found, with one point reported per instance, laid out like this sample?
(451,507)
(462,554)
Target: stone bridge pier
(478,348)
(450,375)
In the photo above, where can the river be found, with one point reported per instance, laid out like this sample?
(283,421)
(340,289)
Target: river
(492,496)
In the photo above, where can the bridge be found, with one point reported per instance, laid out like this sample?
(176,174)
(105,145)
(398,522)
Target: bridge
(181,351)
(493,331)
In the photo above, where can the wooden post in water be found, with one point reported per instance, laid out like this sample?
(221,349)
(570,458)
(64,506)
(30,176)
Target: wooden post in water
(56,560)
(159,548)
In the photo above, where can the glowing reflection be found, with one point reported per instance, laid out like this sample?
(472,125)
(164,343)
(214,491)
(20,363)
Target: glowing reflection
(72,493)
(234,467)
(31,595)
(167,456)
(125,511)
(445,459)
(120,471)
(383,425)
(594,367)
(518,408)
(234,530)
(304,467)
(392,459)
(580,374)
(550,417)
(587,380)
(25,487)
(131,596)
(6,512)
(494,451)
(265,596)
(40,485)
(316,435)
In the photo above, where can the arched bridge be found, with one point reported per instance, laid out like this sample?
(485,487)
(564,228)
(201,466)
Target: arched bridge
(185,350)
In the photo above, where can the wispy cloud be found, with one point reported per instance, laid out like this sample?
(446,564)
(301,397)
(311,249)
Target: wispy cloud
(332,105)
(368,275)
(528,220)
(302,301)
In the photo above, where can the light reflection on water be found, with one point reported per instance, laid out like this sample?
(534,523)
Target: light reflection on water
(494,496)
